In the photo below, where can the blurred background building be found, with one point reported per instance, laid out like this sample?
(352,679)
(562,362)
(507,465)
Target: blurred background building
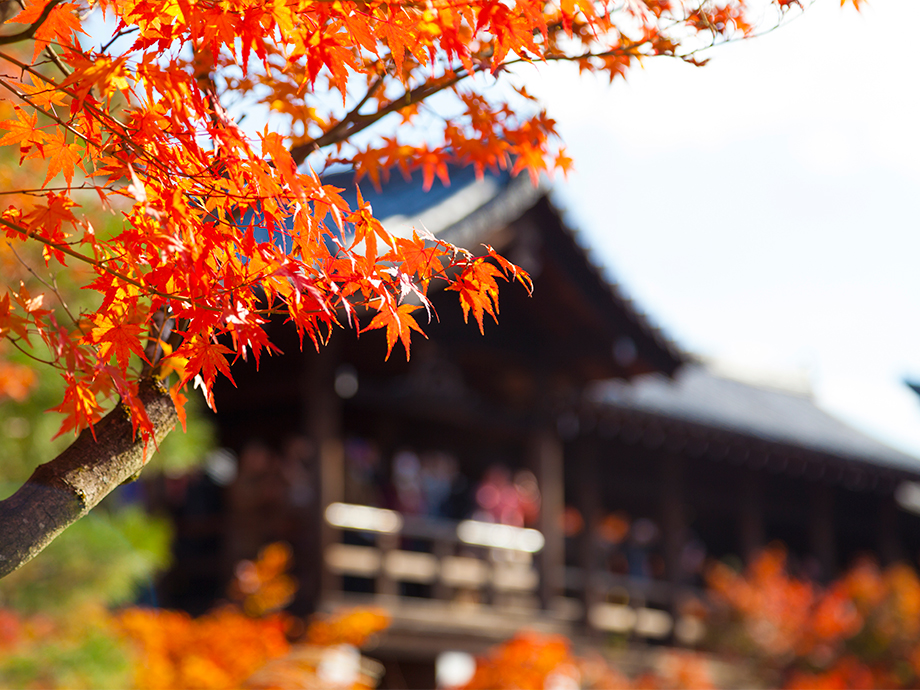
(570,470)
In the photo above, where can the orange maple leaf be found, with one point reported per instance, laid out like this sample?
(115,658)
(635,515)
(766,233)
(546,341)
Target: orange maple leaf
(79,407)
(23,130)
(433,163)
(563,162)
(16,381)
(478,290)
(417,257)
(63,157)
(114,335)
(399,322)
(368,162)
(205,359)
(512,271)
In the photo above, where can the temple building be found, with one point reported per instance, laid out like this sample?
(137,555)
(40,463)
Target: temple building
(570,470)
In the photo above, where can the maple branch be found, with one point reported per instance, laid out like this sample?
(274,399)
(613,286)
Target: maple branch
(361,122)
(30,32)
(160,324)
(43,111)
(63,490)
(341,131)
(41,191)
(55,87)
(353,115)
(80,257)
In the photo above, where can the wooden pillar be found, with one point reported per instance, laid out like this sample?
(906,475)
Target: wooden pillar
(322,421)
(673,515)
(890,547)
(822,531)
(385,585)
(587,500)
(546,455)
(751,531)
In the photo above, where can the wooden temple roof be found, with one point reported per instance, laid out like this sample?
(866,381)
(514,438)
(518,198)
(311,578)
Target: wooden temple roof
(701,412)
(578,321)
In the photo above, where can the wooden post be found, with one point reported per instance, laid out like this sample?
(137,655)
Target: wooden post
(822,531)
(674,530)
(385,585)
(441,549)
(890,546)
(751,520)
(588,502)
(322,412)
(673,516)
(546,453)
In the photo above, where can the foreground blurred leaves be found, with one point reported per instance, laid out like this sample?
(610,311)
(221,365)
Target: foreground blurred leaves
(860,631)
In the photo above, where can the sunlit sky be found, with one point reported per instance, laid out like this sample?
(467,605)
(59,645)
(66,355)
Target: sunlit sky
(763,210)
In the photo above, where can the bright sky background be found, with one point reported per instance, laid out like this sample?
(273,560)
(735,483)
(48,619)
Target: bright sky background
(764,209)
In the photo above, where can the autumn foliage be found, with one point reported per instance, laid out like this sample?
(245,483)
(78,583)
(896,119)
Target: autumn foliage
(860,631)
(534,661)
(231,646)
(218,650)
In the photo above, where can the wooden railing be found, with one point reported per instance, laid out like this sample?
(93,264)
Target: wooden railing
(468,560)
(636,607)
(397,555)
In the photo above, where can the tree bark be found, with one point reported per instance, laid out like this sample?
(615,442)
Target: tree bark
(63,490)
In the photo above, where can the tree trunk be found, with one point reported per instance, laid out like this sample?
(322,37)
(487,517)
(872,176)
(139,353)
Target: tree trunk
(63,490)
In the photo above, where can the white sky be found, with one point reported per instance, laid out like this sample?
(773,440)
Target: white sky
(763,209)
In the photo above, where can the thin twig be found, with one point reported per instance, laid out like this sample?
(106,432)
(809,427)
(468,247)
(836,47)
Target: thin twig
(28,354)
(118,35)
(51,287)
(51,55)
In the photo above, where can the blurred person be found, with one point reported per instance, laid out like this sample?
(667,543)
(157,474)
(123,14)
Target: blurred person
(407,483)
(528,494)
(438,476)
(643,536)
(363,480)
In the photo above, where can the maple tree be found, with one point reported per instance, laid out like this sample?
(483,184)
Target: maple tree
(135,105)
